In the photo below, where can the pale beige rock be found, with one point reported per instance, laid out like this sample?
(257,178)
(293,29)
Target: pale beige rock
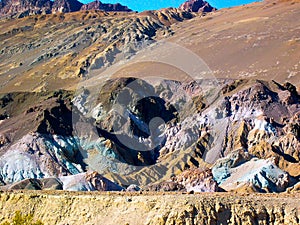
(115,208)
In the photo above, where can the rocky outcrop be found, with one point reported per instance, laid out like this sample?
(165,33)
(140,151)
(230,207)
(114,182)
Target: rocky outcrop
(84,208)
(197,180)
(192,181)
(106,7)
(48,148)
(36,184)
(89,181)
(236,171)
(166,186)
(133,188)
(197,6)
(65,6)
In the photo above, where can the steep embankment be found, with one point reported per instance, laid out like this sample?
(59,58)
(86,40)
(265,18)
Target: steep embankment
(109,208)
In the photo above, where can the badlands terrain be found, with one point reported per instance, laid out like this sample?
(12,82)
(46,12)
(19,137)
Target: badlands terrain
(186,100)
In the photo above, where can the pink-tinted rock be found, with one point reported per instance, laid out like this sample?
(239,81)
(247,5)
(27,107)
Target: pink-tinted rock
(197,6)
(197,180)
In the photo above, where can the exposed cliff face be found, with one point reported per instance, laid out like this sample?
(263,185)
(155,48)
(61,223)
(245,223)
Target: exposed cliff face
(150,209)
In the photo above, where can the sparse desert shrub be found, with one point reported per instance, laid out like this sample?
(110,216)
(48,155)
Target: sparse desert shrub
(22,219)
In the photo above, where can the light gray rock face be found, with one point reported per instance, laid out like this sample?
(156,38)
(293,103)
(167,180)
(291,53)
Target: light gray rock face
(237,170)
(40,156)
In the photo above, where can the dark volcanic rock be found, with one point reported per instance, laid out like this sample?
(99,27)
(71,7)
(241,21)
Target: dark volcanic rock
(197,6)
(106,7)
(64,6)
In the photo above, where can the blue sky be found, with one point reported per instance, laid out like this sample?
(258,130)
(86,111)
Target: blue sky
(141,5)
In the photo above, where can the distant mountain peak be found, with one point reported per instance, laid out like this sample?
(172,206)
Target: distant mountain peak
(64,6)
(24,7)
(196,6)
(105,6)
(21,8)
